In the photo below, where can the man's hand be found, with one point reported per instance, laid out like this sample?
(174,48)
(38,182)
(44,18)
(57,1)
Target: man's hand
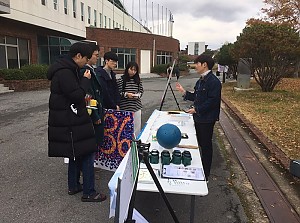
(180,88)
(98,122)
(87,74)
(191,111)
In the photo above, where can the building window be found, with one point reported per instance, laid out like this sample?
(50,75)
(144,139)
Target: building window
(163,57)
(89,15)
(105,21)
(43,2)
(55,4)
(95,18)
(125,55)
(14,52)
(100,24)
(74,8)
(51,47)
(82,10)
(66,7)
(196,49)
(109,23)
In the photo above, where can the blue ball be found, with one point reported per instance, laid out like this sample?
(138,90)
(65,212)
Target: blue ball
(168,136)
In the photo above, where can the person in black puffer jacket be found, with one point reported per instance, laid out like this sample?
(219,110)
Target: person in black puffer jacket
(70,130)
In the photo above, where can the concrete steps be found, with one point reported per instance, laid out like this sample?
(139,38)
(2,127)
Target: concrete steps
(4,89)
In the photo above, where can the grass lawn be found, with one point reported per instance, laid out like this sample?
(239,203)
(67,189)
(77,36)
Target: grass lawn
(276,114)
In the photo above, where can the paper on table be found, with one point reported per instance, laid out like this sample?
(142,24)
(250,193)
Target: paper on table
(179,171)
(145,176)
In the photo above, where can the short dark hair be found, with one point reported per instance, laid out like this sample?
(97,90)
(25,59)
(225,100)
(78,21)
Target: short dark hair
(111,56)
(83,48)
(94,47)
(205,59)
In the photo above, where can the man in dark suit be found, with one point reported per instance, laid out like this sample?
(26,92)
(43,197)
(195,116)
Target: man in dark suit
(108,81)
(206,109)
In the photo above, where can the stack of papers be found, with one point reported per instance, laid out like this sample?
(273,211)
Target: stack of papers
(182,172)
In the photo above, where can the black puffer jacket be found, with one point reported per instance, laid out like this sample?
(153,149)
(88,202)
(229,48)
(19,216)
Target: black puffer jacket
(70,131)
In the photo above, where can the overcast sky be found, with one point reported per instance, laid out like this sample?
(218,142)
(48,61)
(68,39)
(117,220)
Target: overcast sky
(211,21)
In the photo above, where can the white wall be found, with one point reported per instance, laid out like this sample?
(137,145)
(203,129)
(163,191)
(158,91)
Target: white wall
(33,12)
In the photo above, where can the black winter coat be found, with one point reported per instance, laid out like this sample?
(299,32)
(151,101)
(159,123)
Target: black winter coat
(70,130)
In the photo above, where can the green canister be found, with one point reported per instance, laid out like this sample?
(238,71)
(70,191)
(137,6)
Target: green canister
(165,157)
(186,158)
(176,157)
(154,156)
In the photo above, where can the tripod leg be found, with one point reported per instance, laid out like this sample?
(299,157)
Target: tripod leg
(174,97)
(162,193)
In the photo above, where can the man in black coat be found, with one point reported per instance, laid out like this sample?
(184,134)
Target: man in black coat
(70,130)
(108,81)
(206,110)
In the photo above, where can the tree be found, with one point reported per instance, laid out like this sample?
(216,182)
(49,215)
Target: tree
(209,52)
(283,11)
(274,49)
(226,57)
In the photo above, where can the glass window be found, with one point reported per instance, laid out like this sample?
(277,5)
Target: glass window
(2,39)
(125,55)
(55,5)
(163,57)
(3,57)
(105,21)
(95,18)
(66,6)
(89,15)
(53,40)
(74,8)
(54,53)
(65,42)
(11,40)
(82,10)
(23,52)
(109,23)
(12,57)
(43,54)
(42,40)
(43,2)
(100,24)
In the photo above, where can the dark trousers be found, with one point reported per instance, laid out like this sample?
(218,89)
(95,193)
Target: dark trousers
(86,165)
(204,133)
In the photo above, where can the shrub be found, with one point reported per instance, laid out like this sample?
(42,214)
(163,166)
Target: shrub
(35,71)
(12,74)
(159,69)
(27,72)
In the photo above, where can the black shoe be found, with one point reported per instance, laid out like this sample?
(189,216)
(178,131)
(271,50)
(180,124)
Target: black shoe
(96,197)
(78,190)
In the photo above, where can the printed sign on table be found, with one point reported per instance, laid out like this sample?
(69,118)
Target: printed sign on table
(118,132)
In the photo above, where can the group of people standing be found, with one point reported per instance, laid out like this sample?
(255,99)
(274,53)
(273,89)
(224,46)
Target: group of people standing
(75,134)
(72,132)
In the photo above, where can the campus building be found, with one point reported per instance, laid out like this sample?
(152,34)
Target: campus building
(196,48)
(37,31)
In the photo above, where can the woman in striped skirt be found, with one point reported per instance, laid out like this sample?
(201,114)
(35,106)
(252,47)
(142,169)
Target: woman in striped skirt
(131,90)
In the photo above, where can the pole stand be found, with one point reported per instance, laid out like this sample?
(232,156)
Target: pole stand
(143,153)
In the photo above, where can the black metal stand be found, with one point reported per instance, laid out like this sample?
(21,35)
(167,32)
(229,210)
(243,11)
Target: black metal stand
(164,96)
(143,152)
